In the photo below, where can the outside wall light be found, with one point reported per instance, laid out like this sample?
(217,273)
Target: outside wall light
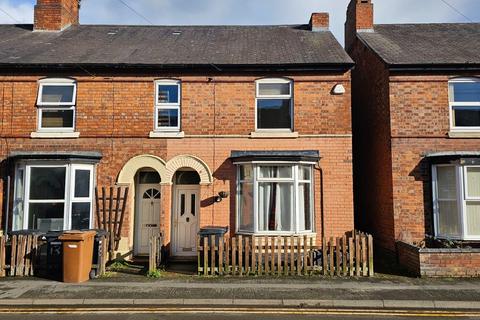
(221,195)
(339,89)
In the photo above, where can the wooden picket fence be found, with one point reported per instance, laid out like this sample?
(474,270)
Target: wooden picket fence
(20,255)
(350,255)
(155,253)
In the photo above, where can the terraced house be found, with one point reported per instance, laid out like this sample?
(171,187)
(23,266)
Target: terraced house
(245,127)
(416,128)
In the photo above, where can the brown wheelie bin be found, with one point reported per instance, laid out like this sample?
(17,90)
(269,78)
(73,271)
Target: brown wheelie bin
(77,255)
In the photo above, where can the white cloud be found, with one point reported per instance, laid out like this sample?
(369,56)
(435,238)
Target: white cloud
(11,12)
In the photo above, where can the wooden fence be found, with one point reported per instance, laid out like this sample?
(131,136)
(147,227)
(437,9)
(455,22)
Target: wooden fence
(350,255)
(155,253)
(110,212)
(20,256)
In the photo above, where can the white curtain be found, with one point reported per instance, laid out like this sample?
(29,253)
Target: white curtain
(473,218)
(275,206)
(301,206)
(264,195)
(448,215)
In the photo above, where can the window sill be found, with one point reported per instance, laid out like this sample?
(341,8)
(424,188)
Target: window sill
(273,135)
(464,134)
(55,135)
(167,135)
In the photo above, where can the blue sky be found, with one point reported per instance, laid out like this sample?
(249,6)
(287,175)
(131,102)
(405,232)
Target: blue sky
(250,11)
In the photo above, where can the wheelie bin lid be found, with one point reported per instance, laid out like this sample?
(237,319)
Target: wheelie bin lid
(76,235)
(212,230)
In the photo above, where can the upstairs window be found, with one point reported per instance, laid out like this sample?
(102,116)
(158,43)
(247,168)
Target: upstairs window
(167,105)
(274,104)
(56,105)
(465,104)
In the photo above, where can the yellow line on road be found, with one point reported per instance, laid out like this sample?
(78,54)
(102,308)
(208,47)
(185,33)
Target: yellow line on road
(239,310)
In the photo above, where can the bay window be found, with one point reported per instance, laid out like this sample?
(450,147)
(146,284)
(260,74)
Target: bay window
(456,197)
(275,198)
(53,196)
(56,105)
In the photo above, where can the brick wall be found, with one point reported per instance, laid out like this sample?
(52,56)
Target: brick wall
(55,15)
(115,116)
(439,262)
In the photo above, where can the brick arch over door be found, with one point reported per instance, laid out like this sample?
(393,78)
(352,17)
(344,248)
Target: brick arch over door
(132,166)
(188,161)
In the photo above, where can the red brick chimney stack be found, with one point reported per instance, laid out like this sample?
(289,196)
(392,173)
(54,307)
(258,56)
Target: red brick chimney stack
(55,15)
(359,18)
(319,21)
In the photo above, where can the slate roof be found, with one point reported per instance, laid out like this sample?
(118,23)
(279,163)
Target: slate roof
(170,46)
(426,44)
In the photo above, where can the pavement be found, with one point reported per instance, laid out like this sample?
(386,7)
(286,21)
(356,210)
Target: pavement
(282,292)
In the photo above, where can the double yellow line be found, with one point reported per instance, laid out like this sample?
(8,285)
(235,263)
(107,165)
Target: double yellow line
(238,311)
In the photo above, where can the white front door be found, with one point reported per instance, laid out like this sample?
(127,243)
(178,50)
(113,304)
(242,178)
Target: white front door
(148,216)
(185,220)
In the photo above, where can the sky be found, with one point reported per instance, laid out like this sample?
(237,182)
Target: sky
(254,12)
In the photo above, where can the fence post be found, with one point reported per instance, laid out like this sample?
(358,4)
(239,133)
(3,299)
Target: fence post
(205,256)
(247,255)
(254,268)
(338,255)
(370,255)
(344,256)
(221,240)
(212,253)
(240,254)
(324,256)
(357,256)
(2,256)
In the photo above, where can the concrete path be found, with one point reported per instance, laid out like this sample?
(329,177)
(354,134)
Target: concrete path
(282,292)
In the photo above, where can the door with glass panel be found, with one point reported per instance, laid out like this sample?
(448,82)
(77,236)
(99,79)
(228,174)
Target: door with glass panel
(185,220)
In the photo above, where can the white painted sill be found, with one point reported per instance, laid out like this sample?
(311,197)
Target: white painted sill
(54,135)
(166,135)
(273,135)
(464,134)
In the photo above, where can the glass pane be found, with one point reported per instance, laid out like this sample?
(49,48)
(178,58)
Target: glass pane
(168,117)
(466,91)
(274,114)
(46,216)
(246,172)
(187,177)
(193,204)
(304,206)
(57,118)
(448,221)
(473,218)
(167,93)
(466,116)
(473,182)
(80,215)
(82,183)
(18,201)
(275,172)
(304,172)
(275,205)
(274,89)
(148,177)
(446,183)
(182,204)
(57,94)
(245,207)
(47,183)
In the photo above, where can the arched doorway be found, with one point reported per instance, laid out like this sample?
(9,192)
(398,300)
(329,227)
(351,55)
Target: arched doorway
(147,209)
(186,212)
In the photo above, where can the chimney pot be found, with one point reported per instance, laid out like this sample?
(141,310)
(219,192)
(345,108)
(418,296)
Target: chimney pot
(319,21)
(55,15)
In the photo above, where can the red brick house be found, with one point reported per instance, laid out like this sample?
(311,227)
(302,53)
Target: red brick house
(241,126)
(416,129)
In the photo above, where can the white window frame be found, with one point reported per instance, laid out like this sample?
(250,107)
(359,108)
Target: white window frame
(69,198)
(462,199)
(453,104)
(258,96)
(54,106)
(168,106)
(294,213)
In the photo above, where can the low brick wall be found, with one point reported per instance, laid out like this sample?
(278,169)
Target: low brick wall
(428,262)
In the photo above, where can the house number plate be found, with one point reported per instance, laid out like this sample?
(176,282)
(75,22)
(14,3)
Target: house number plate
(150,225)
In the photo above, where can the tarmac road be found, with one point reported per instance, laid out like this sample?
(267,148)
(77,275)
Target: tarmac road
(201,313)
